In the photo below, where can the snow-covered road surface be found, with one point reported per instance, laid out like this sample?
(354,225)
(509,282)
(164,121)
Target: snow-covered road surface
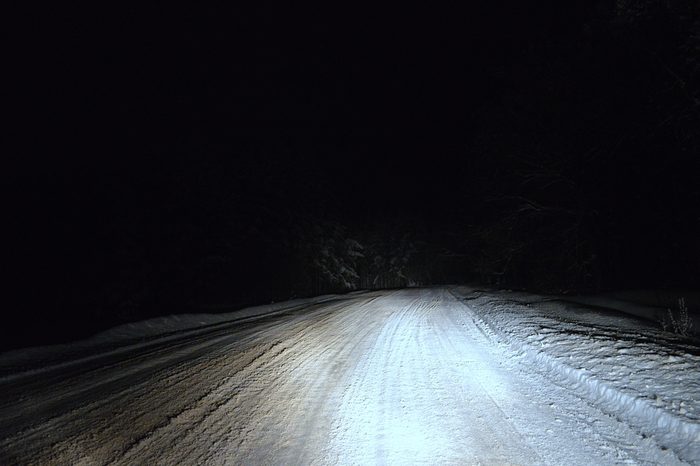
(403,377)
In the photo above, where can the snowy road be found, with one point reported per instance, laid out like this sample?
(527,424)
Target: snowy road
(404,377)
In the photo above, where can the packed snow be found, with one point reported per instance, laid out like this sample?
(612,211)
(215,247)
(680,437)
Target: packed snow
(417,376)
(137,335)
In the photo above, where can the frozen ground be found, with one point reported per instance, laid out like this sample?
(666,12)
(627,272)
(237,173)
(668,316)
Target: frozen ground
(627,366)
(651,305)
(429,376)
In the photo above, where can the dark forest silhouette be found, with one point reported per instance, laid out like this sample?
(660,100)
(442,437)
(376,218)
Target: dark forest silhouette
(560,156)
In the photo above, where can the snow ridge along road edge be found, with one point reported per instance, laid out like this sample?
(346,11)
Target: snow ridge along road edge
(680,435)
(143,336)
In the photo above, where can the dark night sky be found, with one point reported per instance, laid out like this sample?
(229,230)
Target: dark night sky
(137,125)
(111,87)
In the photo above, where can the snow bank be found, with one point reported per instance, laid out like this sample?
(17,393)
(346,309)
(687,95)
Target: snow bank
(652,305)
(632,370)
(129,336)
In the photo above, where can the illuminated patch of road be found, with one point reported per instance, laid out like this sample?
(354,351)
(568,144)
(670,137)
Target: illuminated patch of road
(401,377)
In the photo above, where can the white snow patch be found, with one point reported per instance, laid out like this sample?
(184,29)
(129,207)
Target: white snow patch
(648,378)
(652,305)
